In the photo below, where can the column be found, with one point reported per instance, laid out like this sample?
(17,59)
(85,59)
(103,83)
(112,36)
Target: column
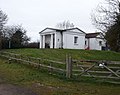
(51,42)
(43,41)
(55,44)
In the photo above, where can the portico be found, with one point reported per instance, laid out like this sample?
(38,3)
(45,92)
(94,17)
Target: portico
(47,40)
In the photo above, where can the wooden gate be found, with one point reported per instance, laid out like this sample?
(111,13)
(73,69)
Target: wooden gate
(109,70)
(100,69)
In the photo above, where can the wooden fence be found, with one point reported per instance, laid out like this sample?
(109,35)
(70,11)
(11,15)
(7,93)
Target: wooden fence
(49,65)
(88,68)
(109,70)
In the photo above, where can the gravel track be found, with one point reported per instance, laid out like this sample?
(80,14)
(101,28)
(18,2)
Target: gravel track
(8,89)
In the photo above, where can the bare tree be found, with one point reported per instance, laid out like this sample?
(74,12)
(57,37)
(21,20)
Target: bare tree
(106,18)
(3,20)
(8,31)
(65,25)
(16,36)
(106,14)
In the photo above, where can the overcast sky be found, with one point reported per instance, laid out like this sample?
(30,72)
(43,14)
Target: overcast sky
(35,15)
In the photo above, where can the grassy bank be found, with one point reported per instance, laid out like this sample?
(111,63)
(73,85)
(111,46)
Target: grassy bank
(59,54)
(43,83)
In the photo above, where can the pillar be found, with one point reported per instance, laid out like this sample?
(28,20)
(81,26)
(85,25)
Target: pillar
(43,41)
(51,42)
(55,44)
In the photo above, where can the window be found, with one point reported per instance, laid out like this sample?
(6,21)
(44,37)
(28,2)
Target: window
(100,43)
(85,42)
(75,40)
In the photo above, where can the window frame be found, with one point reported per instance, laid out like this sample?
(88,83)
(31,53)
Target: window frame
(100,43)
(75,39)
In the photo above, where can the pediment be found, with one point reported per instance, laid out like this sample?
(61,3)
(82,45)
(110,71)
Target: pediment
(47,30)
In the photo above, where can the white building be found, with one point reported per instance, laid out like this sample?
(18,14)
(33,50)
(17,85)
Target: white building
(95,41)
(73,38)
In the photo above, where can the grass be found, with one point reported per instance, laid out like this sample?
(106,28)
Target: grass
(50,85)
(45,84)
(60,54)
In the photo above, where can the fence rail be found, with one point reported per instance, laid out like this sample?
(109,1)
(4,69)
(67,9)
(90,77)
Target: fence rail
(37,62)
(98,69)
(88,68)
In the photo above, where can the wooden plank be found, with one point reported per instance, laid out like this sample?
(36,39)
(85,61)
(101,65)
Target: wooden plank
(114,62)
(106,77)
(45,66)
(32,63)
(87,66)
(91,61)
(113,82)
(102,77)
(37,58)
(114,67)
(102,72)
(97,61)
(87,69)
(48,60)
(111,71)
(10,53)
(109,77)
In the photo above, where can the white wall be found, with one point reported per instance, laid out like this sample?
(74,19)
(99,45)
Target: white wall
(94,44)
(86,45)
(48,39)
(68,40)
(57,40)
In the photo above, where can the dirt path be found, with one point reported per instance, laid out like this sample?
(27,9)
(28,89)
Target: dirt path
(8,89)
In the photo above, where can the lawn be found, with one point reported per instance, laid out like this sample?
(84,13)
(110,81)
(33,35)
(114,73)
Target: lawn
(59,54)
(43,83)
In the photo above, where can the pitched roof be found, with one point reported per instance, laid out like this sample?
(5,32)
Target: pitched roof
(62,30)
(92,35)
(75,28)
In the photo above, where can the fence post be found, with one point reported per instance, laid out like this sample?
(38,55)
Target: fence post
(15,58)
(68,66)
(28,59)
(39,63)
(50,69)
